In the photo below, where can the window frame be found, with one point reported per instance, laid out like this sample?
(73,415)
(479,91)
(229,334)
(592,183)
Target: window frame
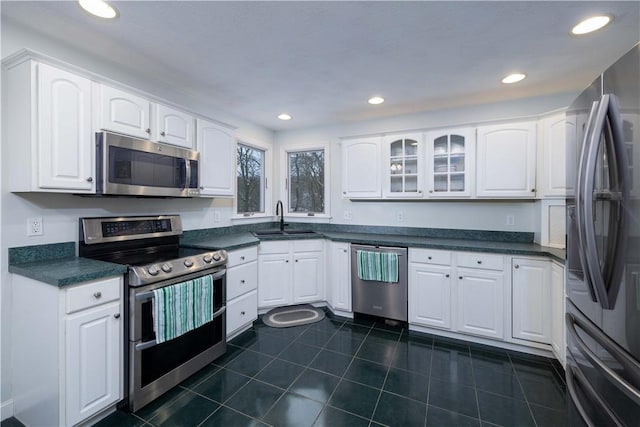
(284,187)
(267,185)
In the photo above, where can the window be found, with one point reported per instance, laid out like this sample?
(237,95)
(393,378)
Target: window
(250,180)
(306,181)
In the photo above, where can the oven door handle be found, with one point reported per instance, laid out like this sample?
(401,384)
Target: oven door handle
(148,344)
(142,296)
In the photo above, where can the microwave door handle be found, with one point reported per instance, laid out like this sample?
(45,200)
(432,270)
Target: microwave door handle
(580,203)
(187,170)
(574,378)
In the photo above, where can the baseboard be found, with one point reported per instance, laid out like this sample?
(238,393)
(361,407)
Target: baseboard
(6,410)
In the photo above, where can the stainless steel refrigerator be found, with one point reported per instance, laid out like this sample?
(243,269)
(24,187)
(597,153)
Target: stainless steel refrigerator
(603,249)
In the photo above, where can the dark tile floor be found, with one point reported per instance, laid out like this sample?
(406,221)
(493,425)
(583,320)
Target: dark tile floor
(340,372)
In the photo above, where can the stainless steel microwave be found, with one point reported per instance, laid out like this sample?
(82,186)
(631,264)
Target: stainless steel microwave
(129,166)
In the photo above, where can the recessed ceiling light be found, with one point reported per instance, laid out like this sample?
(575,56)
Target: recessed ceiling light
(376,100)
(513,78)
(99,8)
(590,25)
(284,116)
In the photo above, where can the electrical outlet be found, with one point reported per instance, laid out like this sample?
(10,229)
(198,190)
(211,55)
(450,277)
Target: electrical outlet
(511,220)
(347,215)
(400,216)
(216,216)
(34,227)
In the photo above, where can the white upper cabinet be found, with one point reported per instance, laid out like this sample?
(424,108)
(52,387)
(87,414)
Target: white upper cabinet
(557,136)
(361,168)
(123,112)
(450,155)
(403,166)
(217,147)
(174,127)
(48,123)
(506,160)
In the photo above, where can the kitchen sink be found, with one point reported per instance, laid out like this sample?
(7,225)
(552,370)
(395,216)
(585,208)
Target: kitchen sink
(269,233)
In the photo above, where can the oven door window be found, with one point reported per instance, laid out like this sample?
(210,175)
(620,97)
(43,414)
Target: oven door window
(134,167)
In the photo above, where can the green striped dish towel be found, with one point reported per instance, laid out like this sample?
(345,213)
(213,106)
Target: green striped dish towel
(183,307)
(377,266)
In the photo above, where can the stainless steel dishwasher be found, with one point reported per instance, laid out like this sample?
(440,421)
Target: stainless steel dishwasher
(378,298)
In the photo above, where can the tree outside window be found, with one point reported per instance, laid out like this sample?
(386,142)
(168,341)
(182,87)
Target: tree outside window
(250,179)
(306,181)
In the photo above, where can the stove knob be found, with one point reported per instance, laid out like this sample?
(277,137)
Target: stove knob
(166,268)
(216,257)
(207,258)
(153,270)
(188,262)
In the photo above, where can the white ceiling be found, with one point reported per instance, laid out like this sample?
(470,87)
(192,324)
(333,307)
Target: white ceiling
(321,61)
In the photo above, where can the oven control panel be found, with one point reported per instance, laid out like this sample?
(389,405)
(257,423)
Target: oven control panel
(150,273)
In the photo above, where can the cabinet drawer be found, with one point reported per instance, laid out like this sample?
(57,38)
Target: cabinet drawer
(242,256)
(430,256)
(242,279)
(241,311)
(480,260)
(281,247)
(92,294)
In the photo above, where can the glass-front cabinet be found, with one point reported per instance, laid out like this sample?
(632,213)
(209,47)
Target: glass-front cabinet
(449,160)
(403,165)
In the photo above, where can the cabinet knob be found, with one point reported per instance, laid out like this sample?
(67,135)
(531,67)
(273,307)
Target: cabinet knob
(430,191)
(148,130)
(533,190)
(446,275)
(90,179)
(344,250)
(162,133)
(428,257)
(242,257)
(242,281)
(201,188)
(242,312)
(460,277)
(516,266)
(97,294)
(479,262)
(287,261)
(296,260)
(116,316)
(344,192)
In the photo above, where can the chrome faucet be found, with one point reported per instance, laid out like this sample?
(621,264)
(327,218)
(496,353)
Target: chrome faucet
(280,211)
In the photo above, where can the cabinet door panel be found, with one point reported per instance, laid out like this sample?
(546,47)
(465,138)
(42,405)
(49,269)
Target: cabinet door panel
(274,280)
(307,277)
(506,160)
(242,310)
(361,168)
(124,112)
(93,361)
(430,301)
(65,140)
(217,147)
(174,127)
(531,300)
(339,282)
(481,303)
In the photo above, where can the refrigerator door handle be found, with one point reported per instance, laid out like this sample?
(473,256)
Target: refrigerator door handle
(613,349)
(580,203)
(575,379)
(605,279)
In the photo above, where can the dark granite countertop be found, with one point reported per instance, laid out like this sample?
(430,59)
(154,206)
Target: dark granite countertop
(67,271)
(235,241)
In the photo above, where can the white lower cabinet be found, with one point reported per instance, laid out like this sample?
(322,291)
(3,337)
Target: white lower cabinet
(66,349)
(557,312)
(430,288)
(531,290)
(339,276)
(291,272)
(480,303)
(242,293)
